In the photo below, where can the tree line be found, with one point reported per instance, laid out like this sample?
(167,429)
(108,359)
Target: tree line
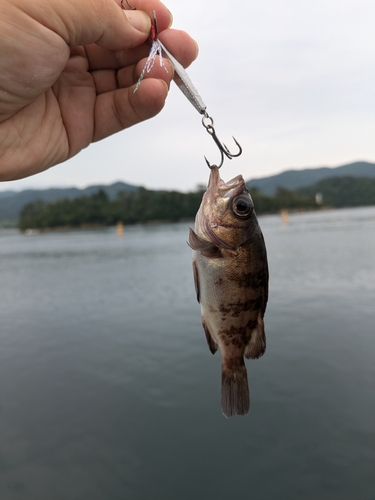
(98,209)
(145,205)
(342,192)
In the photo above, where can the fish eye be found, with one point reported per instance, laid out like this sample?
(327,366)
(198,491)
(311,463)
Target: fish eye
(242,206)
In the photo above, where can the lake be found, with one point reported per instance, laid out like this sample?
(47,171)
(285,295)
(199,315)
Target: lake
(108,390)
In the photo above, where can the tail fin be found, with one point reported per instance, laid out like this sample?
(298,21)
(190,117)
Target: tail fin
(235,397)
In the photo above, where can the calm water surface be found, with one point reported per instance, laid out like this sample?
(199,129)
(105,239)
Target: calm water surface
(108,390)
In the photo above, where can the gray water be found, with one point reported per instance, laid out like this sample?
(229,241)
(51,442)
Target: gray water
(108,390)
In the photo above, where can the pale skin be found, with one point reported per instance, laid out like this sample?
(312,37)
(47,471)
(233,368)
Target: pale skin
(68,69)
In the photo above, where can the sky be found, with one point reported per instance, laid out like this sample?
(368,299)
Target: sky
(292,80)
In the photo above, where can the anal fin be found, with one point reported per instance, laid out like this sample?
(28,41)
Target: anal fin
(210,341)
(256,346)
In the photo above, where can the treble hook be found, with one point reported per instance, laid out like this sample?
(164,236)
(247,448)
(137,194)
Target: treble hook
(222,147)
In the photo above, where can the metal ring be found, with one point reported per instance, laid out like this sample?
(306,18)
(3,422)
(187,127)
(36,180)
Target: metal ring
(130,6)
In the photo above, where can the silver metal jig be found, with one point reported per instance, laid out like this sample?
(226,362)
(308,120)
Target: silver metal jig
(186,86)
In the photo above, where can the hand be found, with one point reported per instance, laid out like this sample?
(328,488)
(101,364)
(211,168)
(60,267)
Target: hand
(67,73)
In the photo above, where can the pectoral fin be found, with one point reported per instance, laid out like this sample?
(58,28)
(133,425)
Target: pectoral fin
(207,248)
(196,280)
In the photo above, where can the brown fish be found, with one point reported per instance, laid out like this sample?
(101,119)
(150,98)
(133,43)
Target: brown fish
(231,280)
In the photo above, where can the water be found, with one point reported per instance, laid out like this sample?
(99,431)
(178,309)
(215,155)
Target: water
(109,391)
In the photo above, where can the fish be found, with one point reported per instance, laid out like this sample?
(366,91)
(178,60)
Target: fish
(231,281)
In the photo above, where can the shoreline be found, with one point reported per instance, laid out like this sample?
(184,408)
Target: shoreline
(90,227)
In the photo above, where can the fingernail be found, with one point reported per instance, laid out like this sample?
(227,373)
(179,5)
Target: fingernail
(196,49)
(170,19)
(139,20)
(170,15)
(170,68)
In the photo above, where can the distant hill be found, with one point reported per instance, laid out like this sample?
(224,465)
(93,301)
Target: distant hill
(343,191)
(145,205)
(6,194)
(294,179)
(12,202)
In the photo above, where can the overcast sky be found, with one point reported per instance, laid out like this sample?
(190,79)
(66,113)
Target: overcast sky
(292,80)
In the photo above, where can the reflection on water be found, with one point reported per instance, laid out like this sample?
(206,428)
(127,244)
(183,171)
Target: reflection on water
(108,389)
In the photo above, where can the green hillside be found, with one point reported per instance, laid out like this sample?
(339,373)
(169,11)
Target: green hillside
(343,191)
(274,189)
(145,205)
(139,207)
(296,179)
(12,202)
(98,209)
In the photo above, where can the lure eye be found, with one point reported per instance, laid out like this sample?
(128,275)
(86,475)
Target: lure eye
(242,206)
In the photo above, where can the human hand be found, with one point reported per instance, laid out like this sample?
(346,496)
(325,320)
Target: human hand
(67,73)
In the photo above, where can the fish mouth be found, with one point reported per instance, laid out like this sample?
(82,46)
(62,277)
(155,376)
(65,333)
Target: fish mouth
(217,199)
(215,178)
(225,189)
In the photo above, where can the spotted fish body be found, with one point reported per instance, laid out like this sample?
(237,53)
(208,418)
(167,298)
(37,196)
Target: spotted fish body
(231,279)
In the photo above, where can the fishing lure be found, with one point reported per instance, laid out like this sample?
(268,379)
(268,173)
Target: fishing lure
(184,83)
(156,49)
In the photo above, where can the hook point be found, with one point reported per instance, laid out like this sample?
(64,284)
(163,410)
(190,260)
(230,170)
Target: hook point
(212,166)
